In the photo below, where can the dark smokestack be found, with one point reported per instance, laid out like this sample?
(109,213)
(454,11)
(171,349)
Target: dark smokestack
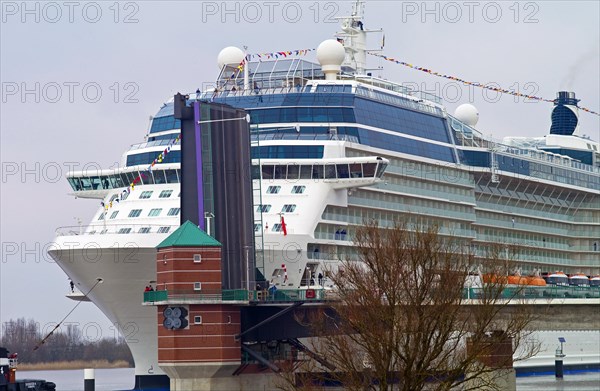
(565,115)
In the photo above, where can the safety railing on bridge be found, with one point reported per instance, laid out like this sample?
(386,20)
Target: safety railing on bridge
(237,295)
(293,295)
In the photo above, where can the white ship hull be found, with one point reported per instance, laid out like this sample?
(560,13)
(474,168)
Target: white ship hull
(125,270)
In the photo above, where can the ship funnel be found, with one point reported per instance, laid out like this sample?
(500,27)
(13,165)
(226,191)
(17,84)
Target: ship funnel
(565,115)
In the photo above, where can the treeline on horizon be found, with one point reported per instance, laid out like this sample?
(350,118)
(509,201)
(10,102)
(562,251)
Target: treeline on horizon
(67,343)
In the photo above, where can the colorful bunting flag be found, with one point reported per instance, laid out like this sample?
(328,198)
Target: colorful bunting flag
(471,83)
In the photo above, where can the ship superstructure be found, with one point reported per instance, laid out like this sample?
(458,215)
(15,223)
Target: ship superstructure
(333,147)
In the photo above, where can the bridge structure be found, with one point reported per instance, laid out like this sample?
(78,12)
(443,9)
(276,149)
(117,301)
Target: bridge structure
(552,308)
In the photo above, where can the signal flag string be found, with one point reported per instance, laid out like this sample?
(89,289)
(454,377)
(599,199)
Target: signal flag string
(471,83)
(43,341)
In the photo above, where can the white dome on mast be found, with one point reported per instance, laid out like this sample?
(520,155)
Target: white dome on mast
(330,55)
(231,55)
(468,114)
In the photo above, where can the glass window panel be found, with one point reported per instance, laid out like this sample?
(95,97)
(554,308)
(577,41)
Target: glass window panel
(356,170)
(159,176)
(305,172)
(369,169)
(318,172)
(267,171)
(330,171)
(342,171)
(280,172)
(171,176)
(293,171)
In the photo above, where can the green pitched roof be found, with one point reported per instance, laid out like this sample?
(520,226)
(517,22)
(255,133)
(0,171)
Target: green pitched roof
(189,235)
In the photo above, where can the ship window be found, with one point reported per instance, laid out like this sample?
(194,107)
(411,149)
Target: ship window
(276,227)
(263,208)
(280,172)
(159,176)
(147,178)
(103,231)
(267,172)
(330,171)
(317,172)
(114,197)
(305,172)
(174,212)
(197,319)
(342,171)
(164,230)
(288,208)
(197,286)
(293,170)
(145,195)
(124,231)
(380,169)
(144,230)
(298,189)
(369,169)
(135,213)
(257,227)
(355,170)
(114,214)
(273,189)
(101,217)
(154,212)
(172,176)
(124,195)
(165,194)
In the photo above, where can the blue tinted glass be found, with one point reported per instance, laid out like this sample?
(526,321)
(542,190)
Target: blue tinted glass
(404,145)
(148,157)
(287,152)
(400,120)
(165,123)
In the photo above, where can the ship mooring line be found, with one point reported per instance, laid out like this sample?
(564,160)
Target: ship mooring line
(43,341)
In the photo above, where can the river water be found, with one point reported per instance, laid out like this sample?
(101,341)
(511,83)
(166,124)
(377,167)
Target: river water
(123,379)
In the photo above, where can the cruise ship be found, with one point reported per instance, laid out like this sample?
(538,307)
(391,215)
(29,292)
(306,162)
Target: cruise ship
(334,146)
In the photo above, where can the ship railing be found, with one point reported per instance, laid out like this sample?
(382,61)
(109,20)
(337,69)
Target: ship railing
(237,295)
(538,292)
(156,143)
(268,135)
(110,229)
(239,92)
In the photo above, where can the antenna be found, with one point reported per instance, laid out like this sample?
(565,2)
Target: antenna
(354,39)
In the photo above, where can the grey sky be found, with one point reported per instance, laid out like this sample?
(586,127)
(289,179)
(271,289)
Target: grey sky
(172,46)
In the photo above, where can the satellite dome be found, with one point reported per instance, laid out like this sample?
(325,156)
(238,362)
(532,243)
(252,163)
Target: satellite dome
(467,113)
(331,52)
(230,56)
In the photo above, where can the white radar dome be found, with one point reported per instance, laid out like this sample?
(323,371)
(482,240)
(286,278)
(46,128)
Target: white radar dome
(467,113)
(331,52)
(230,56)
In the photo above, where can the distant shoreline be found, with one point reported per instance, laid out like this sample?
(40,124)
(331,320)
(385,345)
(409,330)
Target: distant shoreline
(78,364)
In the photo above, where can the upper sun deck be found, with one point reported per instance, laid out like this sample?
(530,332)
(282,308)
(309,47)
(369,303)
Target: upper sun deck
(292,75)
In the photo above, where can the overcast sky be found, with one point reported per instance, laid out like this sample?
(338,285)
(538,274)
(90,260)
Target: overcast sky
(537,47)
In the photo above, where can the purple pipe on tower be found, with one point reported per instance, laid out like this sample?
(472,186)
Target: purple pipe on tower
(200,181)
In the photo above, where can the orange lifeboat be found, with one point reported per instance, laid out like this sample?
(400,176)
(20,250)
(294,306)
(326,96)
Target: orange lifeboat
(517,280)
(536,281)
(494,279)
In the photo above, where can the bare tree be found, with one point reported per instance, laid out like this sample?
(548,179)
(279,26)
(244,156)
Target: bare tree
(404,322)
